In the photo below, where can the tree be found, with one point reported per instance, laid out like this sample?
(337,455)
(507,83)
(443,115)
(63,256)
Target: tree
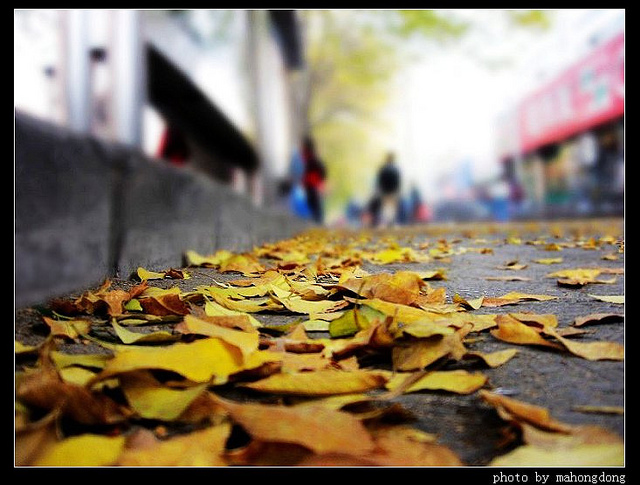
(353,57)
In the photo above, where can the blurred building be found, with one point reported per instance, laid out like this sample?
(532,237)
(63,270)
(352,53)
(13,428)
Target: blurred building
(214,90)
(561,145)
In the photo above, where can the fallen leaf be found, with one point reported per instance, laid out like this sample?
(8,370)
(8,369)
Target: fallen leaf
(619,299)
(272,423)
(519,411)
(472,304)
(158,301)
(129,337)
(318,383)
(513,298)
(598,318)
(459,381)
(246,264)
(43,388)
(421,353)
(590,350)
(69,329)
(202,448)
(104,300)
(599,409)
(493,359)
(508,278)
(86,450)
(401,287)
(200,361)
(548,260)
(513,331)
(152,400)
(246,341)
(213,260)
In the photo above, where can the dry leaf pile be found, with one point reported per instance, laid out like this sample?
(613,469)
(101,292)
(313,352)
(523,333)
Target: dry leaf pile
(197,378)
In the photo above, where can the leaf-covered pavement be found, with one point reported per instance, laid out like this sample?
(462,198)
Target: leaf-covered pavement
(477,344)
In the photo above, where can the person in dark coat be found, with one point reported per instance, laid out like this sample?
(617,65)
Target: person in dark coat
(388,187)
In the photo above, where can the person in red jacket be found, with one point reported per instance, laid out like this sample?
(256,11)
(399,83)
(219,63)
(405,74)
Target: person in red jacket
(313,179)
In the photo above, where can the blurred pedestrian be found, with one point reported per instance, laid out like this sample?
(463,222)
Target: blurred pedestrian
(388,186)
(419,210)
(313,179)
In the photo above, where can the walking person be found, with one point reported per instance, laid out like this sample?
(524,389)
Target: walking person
(388,186)
(313,179)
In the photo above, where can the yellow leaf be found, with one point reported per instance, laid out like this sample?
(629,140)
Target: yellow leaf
(609,298)
(403,313)
(199,361)
(297,304)
(246,305)
(246,264)
(83,450)
(319,383)
(97,361)
(203,448)
(543,320)
(459,381)
(214,260)
(473,303)
(76,375)
(423,352)
(246,342)
(591,350)
(145,274)
(213,309)
(513,298)
(152,400)
(548,260)
(129,337)
(494,359)
(21,348)
(515,332)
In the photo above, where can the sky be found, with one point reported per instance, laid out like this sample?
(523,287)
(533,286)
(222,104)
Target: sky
(448,103)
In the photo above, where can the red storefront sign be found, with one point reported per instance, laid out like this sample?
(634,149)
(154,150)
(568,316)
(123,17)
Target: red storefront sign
(587,94)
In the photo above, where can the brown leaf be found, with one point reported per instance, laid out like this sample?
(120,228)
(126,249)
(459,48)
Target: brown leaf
(521,412)
(107,301)
(598,318)
(45,389)
(324,430)
(163,302)
(401,287)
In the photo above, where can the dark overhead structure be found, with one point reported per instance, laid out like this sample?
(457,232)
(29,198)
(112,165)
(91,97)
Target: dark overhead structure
(186,107)
(288,35)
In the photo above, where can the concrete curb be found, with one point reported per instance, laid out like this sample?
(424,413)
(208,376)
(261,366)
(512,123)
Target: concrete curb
(86,210)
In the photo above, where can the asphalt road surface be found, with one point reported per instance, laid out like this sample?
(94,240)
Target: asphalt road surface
(575,390)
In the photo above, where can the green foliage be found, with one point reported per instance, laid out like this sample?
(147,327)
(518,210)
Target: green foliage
(353,57)
(537,19)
